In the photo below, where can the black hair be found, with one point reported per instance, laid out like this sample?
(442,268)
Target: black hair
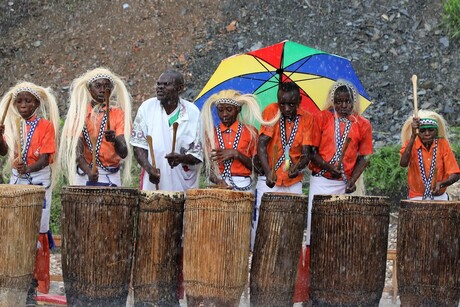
(289,87)
(178,77)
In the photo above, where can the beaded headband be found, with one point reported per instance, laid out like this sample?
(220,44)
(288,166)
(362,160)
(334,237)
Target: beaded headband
(428,123)
(228,101)
(26,89)
(349,86)
(101,76)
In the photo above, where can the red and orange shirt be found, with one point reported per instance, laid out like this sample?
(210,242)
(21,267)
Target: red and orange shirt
(107,154)
(42,141)
(303,137)
(445,163)
(324,139)
(247,145)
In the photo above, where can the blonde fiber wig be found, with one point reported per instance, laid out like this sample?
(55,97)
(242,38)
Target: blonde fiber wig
(80,97)
(249,114)
(406,130)
(354,95)
(47,109)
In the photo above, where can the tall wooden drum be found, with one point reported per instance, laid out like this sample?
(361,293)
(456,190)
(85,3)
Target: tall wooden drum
(282,220)
(428,253)
(158,240)
(97,244)
(20,213)
(216,244)
(349,237)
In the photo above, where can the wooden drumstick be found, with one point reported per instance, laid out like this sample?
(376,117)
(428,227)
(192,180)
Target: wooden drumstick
(414,88)
(18,128)
(275,151)
(152,155)
(93,144)
(107,103)
(344,149)
(175,125)
(5,111)
(435,179)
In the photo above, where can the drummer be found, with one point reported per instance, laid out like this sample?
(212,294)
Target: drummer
(284,148)
(89,128)
(31,126)
(335,166)
(231,145)
(427,153)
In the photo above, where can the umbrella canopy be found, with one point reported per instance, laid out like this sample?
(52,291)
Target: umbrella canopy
(259,72)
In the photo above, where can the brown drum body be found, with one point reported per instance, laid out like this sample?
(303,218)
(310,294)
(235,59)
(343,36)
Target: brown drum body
(428,253)
(216,244)
(282,220)
(349,240)
(97,244)
(20,213)
(156,262)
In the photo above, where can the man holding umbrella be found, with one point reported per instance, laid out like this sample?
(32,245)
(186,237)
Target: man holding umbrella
(283,149)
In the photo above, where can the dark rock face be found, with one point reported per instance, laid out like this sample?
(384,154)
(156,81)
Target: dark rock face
(51,43)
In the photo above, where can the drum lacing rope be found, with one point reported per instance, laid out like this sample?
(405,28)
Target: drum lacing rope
(226,174)
(339,140)
(284,143)
(33,125)
(98,144)
(427,182)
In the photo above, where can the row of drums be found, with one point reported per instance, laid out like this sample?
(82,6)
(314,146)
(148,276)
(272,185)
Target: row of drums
(117,238)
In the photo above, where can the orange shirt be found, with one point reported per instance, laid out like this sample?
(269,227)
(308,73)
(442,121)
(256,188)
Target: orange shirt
(42,141)
(302,138)
(324,139)
(445,163)
(107,154)
(246,145)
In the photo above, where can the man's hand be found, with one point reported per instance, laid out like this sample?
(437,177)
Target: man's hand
(174,159)
(271,179)
(93,176)
(351,187)
(109,136)
(154,175)
(221,155)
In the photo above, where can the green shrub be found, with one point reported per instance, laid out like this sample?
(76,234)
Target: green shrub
(385,177)
(451,17)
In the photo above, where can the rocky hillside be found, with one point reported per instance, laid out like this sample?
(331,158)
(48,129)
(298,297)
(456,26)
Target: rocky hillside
(52,42)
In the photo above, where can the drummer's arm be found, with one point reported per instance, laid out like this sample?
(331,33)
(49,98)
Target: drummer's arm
(120,146)
(42,162)
(303,161)
(3,144)
(142,157)
(82,164)
(360,165)
(263,156)
(319,161)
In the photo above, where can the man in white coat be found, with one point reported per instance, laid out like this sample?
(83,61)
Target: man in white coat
(178,170)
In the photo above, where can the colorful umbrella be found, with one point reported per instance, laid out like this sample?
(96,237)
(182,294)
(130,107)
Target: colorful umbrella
(259,72)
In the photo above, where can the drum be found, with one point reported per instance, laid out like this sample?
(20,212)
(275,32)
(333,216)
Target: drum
(20,213)
(158,243)
(282,220)
(428,253)
(216,245)
(348,249)
(97,244)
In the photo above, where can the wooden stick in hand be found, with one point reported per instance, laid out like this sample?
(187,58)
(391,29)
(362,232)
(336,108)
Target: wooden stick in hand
(18,128)
(175,126)
(344,150)
(414,87)
(152,155)
(107,103)
(5,111)
(275,151)
(93,160)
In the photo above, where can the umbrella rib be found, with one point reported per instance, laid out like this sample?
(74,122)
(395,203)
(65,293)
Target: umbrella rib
(306,60)
(263,65)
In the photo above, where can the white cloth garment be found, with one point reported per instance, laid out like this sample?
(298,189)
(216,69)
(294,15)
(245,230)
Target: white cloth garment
(440,197)
(262,188)
(151,119)
(322,186)
(104,177)
(42,178)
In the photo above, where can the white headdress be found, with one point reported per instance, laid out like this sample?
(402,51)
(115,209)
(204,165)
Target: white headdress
(47,109)
(80,97)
